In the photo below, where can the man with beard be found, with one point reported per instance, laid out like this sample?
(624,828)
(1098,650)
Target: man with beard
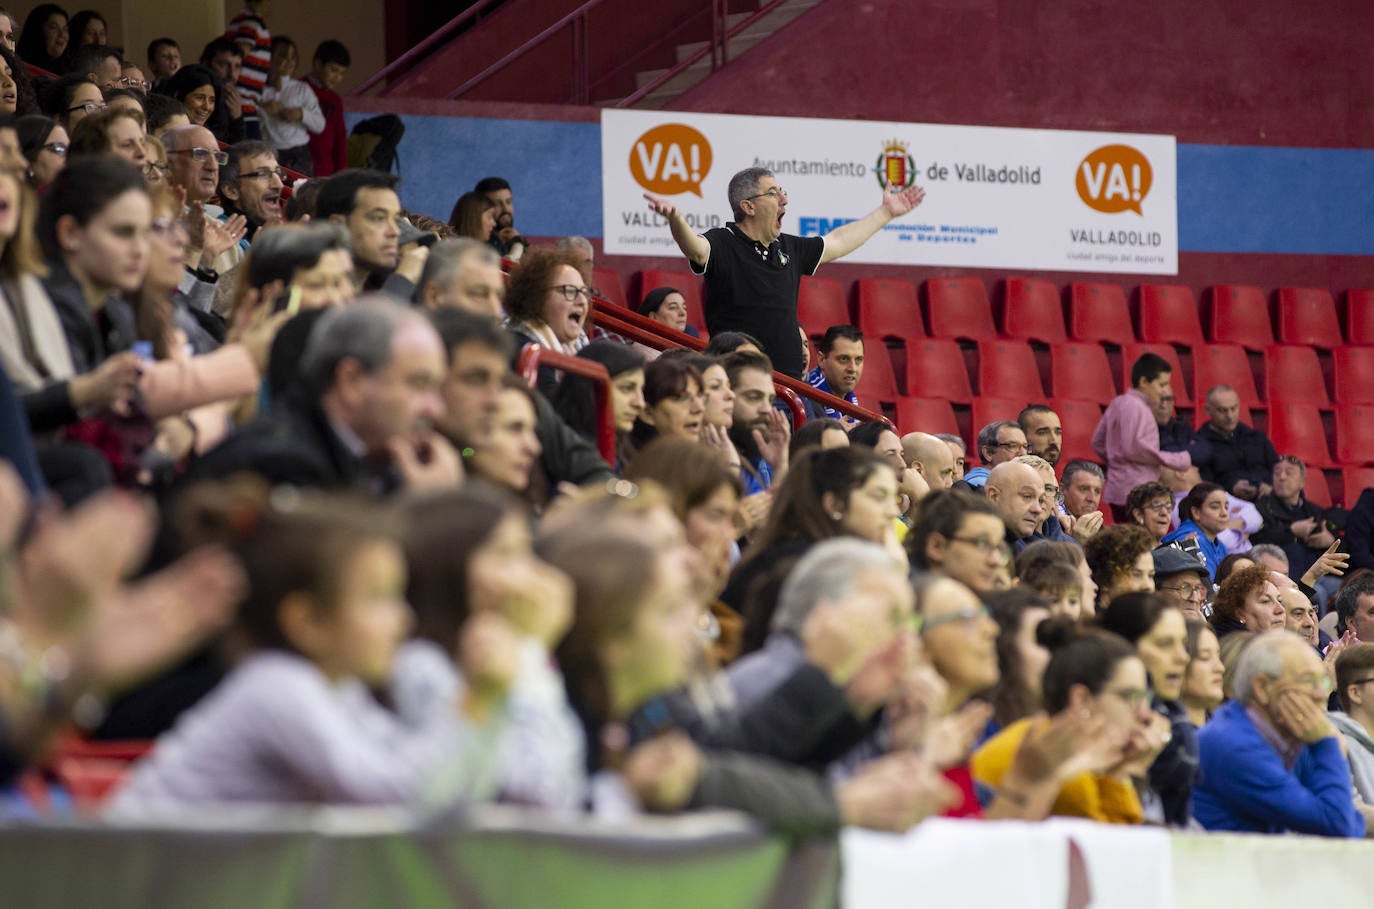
(760,432)
(753,270)
(1044,435)
(839,366)
(250,184)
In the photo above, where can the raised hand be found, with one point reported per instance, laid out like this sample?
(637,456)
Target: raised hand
(1087,526)
(663,771)
(538,599)
(753,511)
(894,793)
(773,447)
(427,462)
(111,385)
(661,207)
(1332,561)
(220,236)
(900,203)
(1301,717)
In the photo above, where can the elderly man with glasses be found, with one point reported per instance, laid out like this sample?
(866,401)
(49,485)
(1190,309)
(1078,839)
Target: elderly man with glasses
(1290,521)
(753,270)
(1181,578)
(1271,760)
(998,442)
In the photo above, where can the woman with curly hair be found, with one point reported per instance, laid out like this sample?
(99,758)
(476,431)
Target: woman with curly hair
(1150,505)
(1248,601)
(1121,562)
(548,304)
(17,95)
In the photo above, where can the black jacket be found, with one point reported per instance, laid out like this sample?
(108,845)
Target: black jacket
(568,457)
(1247,454)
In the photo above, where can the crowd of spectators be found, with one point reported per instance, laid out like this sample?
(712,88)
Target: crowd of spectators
(273,497)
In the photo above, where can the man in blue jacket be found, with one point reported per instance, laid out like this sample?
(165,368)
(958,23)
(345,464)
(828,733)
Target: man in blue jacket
(1271,760)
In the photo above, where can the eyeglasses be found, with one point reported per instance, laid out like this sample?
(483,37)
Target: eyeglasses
(987,547)
(776,192)
(968,615)
(57,148)
(155,167)
(202,154)
(1158,507)
(1292,459)
(90,107)
(1188,591)
(571,292)
(1011,446)
(166,226)
(266,173)
(1319,680)
(1133,697)
(138,85)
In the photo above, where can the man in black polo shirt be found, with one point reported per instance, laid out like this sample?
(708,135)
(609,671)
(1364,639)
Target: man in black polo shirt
(752,269)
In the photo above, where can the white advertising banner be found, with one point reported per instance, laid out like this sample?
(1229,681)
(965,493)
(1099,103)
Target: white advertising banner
(1051,200)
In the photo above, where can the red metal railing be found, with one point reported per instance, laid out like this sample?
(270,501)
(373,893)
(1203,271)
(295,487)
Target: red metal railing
(534,356)
(411,57)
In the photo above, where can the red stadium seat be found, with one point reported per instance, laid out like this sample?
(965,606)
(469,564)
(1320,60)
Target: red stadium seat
(1353,373)
(1307,315)
(1294,374)
(1355,480)
(1239,315)
(1031,311)
(959,308)
(930,415)
(990,410)
(607,280)
(1098,312)
(1315,489)
(1297,429)
(90,780)
(1168,315)
(1080,372)
(689,284)
(820,304)
(1006,369)
(1223,364)
(1132,352)
(1079,419)
(935,369)
(1359,316)
(1355,434)
(877,382)
(888,309)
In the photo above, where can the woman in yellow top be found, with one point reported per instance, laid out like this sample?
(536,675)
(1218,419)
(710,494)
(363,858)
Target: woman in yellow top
(1095,675)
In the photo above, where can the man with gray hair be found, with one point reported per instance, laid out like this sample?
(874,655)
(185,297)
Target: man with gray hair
(361,417)
(957,450)
(1081,482)
(582,248)
(465,274)
(844,575)
(753,270)
(998,442)
(1271,760)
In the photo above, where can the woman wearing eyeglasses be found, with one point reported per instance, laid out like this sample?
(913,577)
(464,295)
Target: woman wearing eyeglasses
(1150,505)
(70,98)
(548,303)
(45,145)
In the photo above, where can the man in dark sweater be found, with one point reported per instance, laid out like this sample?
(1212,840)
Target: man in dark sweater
(1242,456)
(1291,522)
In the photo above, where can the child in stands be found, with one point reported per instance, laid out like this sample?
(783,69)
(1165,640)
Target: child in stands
(324,616)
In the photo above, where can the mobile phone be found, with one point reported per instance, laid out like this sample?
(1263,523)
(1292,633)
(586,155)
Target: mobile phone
(143,350)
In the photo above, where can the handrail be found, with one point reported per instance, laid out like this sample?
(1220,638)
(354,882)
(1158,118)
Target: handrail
(632,325)
(577,14)
(404,61)
(533,356)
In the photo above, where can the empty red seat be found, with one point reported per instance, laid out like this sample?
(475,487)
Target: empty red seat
(877,382)
(889,309)
(1132,352)
(1031,310)
(1079,420)
(1294,374)
(1239,314)
(1353,374)
(959,308)
(1355,434)
(1355,480)
(821,304)
(935,369)
(929,415)
(1168,315)
(1307,315)
(1080,372)
(1006,369)
(1223,364)
(607,281)
(688,284)
(1359,316)
(1099,312)
(1315,488)
(1297,429)
(989,410)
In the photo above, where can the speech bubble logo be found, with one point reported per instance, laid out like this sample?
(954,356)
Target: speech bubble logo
(671,158)
(1113,179)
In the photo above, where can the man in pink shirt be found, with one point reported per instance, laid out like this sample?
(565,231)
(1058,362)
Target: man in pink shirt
(1127,438)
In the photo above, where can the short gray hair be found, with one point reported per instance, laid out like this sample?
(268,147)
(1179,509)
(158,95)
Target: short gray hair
(360,331)
(1261,657)
(445,260)
(1214,389)
(987,436)
(827,572)
(580,244)
(951,439)
(743,185)
(1074,467)
(1034,461)
(1269,549)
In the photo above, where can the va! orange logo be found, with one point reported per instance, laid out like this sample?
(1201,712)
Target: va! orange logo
(1113,179)
(671,159)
